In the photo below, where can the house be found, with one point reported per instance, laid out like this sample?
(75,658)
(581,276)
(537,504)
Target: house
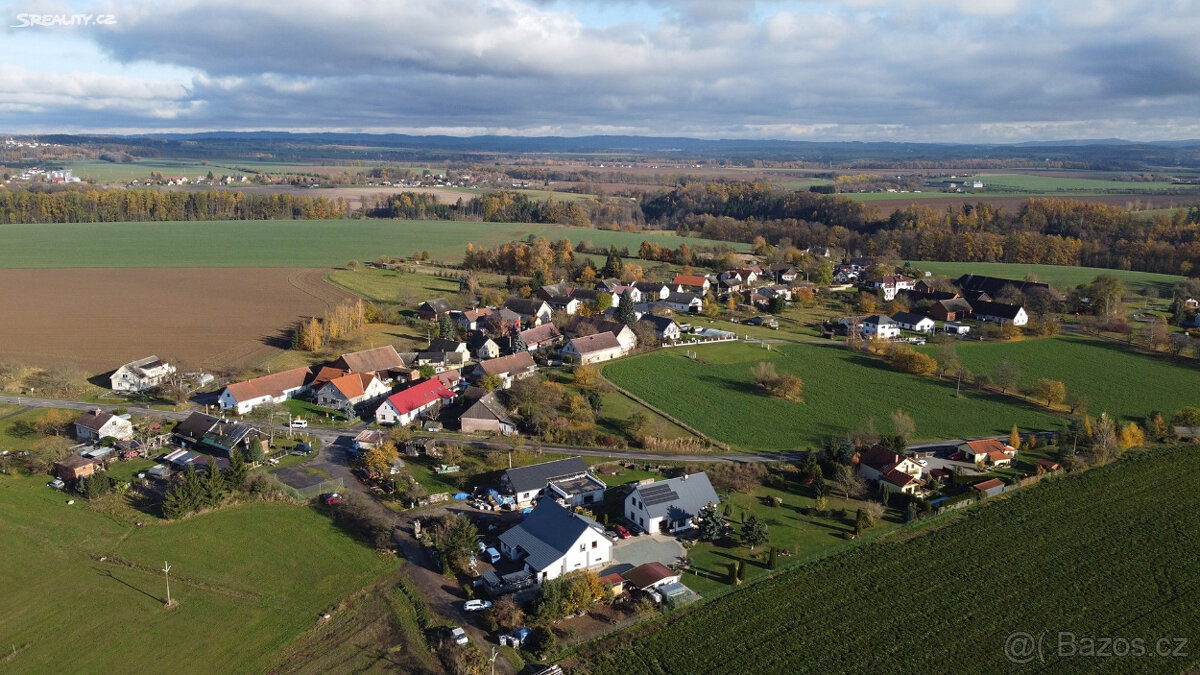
(508,368)
(568,305)
(954,328)
(96,424)
(500,321)
(619,290)
(914,322)
(549,292)
(890,284)
(729,282)
(348,391)
(952,309)
(593,348)
(998,312)
(784,273)
(651,575)
(75,467)
(488,416)
(685,302)
(140,375)
(1048,466)
(440,344)
(665,328)
(999,459)
(324,376)
(369,439)
(540,336)
(881,327)
(533,311)
(670,505)
(653,290)
(219,436)
(276,388)
(690,282)
(432,310)
(483,347)
(405,406)
(575,483)
(582,326)
(469,320)
(980,451)
(990,488)
(894,473)
(385,362)
(844,274)
(553,541)
(450,379)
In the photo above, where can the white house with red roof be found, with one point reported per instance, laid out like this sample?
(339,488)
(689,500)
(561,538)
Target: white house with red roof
(988,450)
(691,282)
(404,407)
(347,391)
(894,473)
(276,388)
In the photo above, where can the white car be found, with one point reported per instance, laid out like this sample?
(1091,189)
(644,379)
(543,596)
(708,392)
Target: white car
(923,462)
(477,605)
(298,423)
(459,635)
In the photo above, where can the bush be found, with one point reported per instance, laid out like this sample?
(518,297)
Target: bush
(906,359)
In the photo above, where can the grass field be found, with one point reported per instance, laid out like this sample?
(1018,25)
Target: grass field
(842,391)
(1046,184)
(1094,367)
(1113,553)
(248,580)
(1059,276)
(279,243)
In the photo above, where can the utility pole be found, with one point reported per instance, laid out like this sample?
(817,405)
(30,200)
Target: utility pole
(167,576)
(493,660)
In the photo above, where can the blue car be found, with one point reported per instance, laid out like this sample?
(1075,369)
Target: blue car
(492,555)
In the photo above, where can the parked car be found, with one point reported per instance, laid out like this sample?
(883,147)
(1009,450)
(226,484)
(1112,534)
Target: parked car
(492,555)
(754,321)
(923,462)
(477,605)
(299,423)
(459,635)
(57,484)
(622,532)
(331,498)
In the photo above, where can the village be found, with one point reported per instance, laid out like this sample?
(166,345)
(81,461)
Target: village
(392,427)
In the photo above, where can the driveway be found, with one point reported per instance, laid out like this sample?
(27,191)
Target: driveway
(629,553)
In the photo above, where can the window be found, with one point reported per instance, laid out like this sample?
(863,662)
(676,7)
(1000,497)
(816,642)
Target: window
(582,547)
(595,543)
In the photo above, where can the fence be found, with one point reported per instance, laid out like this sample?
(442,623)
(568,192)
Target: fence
(309,491)
(701,341)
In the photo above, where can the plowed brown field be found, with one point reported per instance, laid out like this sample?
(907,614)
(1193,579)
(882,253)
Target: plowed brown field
(101,318)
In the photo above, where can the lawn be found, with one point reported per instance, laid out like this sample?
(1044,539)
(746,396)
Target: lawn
(248,579)
(1122,382)
(279,243)
(1059,276)
(842,391)
(1113,553)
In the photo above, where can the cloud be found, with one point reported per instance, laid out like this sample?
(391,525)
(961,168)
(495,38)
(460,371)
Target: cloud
(813,69)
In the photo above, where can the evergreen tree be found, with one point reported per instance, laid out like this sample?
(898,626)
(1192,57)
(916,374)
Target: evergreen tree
(818,485)
(214,486)
(192,489)
(773,558)
(910,512)
(741,571)
(236,472)
(625,313)
(516,343)
(733,573)
(754,532)
(612,264)
(446,328)
(712,525)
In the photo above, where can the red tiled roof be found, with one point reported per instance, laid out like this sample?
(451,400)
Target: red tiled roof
(449,378)
(998,456)
(325,375)
(984,446)
(597,342)
(539,334)
(648,574)
(988,484)
(269,385)
(507,364)
(688,280)
(1046,463)
(354,384)
(899,478)
(418,395)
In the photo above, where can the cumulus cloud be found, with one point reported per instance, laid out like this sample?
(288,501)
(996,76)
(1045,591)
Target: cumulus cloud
(811,69)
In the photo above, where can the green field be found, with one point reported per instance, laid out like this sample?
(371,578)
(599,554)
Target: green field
(248,580)
(1124,383)
(1113,553)
(1059,276)
(1033,183)
(279,243)
(842,391)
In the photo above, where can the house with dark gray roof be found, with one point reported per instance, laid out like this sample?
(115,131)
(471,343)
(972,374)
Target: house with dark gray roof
(553,541)
(487,415)
(568,480)
(670,505)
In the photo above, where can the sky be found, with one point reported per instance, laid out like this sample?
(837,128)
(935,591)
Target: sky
(964,71)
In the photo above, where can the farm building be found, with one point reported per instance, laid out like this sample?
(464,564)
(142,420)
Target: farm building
(651,575)
(990,488)
(277,388)
(955,328)
(432,310)
(593,348)
(74,467)
(140,375)
(405,406)
(552,541)
(384,362)
(96,424)
(670,505)
(914,322)
(488,416)
(998,312)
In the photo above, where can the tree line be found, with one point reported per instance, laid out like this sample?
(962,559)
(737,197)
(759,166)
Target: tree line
(95,206)
(506,207)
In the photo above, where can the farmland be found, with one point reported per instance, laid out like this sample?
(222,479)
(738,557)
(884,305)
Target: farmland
(249,580)
(1092,366)
(278,243)
(842,391)
(1076,555)
(192,316)
(1059,276)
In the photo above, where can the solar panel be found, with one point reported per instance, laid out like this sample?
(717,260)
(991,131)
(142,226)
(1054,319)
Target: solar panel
(658,494)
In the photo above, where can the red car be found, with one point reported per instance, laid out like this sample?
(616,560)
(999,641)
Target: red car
(622,532)
(331,499)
